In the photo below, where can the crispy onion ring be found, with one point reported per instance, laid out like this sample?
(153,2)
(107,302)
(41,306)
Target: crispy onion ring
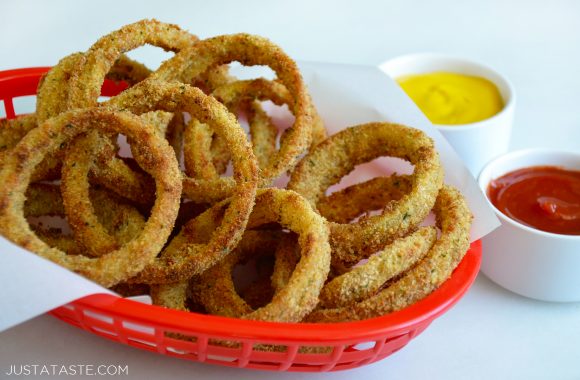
(43,199)
(366,279)
(153,95)
(54,86)
(349,203)
(149,95)
(190,63)
(87,77)
(246,95)
(81,215)
(13,130)
(89,73)
(335,157)
(127,70)
(300,295)
(121,220)
(286,257)
(253,244)
(52,95)
(118,174)
(52,92)
(454,219)
(127,261)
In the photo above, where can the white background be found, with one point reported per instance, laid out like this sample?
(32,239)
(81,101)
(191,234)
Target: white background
(491,333)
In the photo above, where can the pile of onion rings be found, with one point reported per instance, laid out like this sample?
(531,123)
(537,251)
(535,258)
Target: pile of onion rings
(189,216)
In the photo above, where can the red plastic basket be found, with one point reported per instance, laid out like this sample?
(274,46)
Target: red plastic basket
(148,327)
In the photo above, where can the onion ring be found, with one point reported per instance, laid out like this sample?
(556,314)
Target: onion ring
(253,243)
(347,204)
(246,95)
(287,256)
(172,97)
(300,295)
(454,219)
(122,221)
(366,279)
(130,259)
(151,94)
(340,153)
(89,73)
(190,63)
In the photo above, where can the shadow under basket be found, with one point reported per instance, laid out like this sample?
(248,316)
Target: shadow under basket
(153,328)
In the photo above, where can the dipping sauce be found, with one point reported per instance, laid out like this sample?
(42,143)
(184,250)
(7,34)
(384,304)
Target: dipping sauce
(543,197)
(453,99)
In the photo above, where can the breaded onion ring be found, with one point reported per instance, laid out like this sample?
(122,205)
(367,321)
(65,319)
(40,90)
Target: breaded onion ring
(172,97)
(253,244)
(454,220)
(190,63)
(89,73)
(53,92)
(149,95)
(366,279)
(118,174)
(338,155)
(12,131)
(246,95)
(349,203)
(300,295)
(121,220)
(287,256)
(81,214)
(160,162)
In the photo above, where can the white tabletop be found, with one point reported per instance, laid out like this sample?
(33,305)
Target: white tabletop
(491,333)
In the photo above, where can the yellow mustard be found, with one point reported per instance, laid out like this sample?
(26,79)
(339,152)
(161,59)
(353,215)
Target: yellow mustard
(453,99)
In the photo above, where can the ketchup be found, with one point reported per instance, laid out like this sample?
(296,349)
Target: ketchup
(543,197)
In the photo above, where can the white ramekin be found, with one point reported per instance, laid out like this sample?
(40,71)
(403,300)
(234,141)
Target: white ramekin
(476,143)
(527,261)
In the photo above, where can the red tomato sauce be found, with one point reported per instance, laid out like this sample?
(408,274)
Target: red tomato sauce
(543,197)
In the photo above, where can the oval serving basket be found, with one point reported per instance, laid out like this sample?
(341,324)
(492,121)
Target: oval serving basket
(153,328)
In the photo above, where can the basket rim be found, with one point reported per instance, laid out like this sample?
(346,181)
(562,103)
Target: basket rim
(423,311)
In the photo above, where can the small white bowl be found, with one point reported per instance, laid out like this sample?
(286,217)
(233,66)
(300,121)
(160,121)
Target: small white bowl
(527,261)
(476,143)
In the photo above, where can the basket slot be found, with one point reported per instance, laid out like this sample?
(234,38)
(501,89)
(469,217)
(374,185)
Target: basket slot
(101,331)
(139,328)
(218,358)
(334,358)
(176,351)
(9,108)
(374,352)
(290,357)
(101,317)
(135,342)
(364,346)
(91,324)
(24,104)
(2,110)
(140,336)
(80,317)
